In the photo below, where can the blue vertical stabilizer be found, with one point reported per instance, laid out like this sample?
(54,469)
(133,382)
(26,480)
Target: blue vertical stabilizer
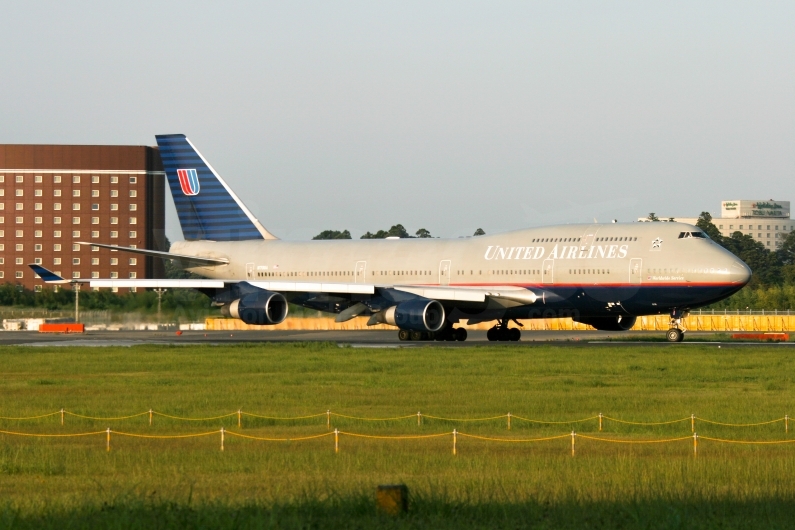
(207,207)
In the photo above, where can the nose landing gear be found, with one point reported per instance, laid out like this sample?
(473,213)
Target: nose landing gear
(677,331)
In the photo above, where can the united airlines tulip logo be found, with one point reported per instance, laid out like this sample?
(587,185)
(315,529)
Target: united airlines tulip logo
(188,181)
(657,243)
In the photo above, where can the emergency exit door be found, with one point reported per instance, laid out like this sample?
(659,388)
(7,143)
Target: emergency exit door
(444,272)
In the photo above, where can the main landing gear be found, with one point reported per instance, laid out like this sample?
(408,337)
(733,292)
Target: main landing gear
(449,334)
(676,333)
(501,332)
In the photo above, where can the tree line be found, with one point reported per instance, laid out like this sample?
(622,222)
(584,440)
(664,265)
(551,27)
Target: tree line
(397,230)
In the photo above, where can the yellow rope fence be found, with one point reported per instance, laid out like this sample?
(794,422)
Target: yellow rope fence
(602,418)
(455,435)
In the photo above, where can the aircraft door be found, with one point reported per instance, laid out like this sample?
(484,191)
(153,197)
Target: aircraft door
(444,272)
(547,273)
(359,272)
(249,271)
(635,270)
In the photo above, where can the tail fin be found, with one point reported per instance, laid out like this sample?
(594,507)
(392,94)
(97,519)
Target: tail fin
(206,205)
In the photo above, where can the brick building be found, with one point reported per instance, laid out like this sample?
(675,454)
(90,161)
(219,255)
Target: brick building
(52,196)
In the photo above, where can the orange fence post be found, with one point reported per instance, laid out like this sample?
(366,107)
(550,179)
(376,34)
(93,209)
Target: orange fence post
(573,436)
(419,416)
(150,417)
(455,437)
(786,423)
(600,422)
(61,415)
(222,438)
(239,412)
(108,441)
(328,419)
(693,423)
(509,421)
(336,440)
(695,444)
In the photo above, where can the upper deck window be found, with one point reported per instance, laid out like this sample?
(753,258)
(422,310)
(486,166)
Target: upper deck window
(685,235)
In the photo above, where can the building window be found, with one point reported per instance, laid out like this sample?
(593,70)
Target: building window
(2,220)
(20,206)
(56,261)
(20,234)
(37,206)
(56,206)
(56,247)
(75,193)
(2,193)
(20,220)
(56,179)
(95,261)
(76,179)
(37,179)
(37,220)
(133,180)
(114,261)
(741,227)
(19,274)
(114,193)
(94,249)
(2,206)
(20,178)
(133,246)
(37,247)
(768,227)
(56,193)
(75,274)
(95,220)
(132,275)
(76,247)
(114,275)
(19,261)
(37,288)
(37,193)
(95,207)
(76,233)
(37,261)
(19,247)
(95,193)
(2,261)
(2,274)
(95,233)
(133,261)
(75,206)
(133,220)
(114,235)
(114,180)
(95,179)
(133,207)
(57,233)
(37,233)
(56,220)
(95,275)
(75,220)
(20,193)
(133,234)
(133,193)
(114,220)
(114,207)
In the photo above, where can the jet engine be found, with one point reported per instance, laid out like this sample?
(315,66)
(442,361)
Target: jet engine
(261,307)
(612,323)
(420,314)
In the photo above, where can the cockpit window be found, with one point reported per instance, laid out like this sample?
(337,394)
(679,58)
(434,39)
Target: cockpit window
(686,235)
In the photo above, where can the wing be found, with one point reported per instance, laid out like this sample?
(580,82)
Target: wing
(187,261)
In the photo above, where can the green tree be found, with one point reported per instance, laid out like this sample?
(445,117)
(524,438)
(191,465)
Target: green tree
(479,232)
(333,234)
(653,217)
(705,223)
(395,231)
(422,233)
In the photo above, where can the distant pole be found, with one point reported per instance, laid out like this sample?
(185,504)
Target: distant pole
(159,299)
(77,302)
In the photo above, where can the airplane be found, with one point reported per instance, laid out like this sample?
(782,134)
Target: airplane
(602,275)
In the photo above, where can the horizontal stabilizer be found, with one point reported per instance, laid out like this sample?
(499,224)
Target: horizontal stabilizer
(160,284)
(47,275)
(187,261)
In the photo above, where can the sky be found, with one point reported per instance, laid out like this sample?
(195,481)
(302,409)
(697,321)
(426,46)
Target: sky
(449,116)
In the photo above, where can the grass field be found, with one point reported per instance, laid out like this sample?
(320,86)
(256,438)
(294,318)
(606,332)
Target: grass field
(151,483)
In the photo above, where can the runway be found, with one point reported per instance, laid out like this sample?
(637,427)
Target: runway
(375,339)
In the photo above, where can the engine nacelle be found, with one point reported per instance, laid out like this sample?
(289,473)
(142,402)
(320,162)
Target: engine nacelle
(421,314)
(261,308)
(615,323)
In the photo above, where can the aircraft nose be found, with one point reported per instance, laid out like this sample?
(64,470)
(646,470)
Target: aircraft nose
(740,273)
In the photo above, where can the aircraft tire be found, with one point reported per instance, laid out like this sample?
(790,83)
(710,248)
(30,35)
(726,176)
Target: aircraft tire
(416,336)
(403,334)
(674,335)
(504,335)
(460,334)
(514,334)
(493,334)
